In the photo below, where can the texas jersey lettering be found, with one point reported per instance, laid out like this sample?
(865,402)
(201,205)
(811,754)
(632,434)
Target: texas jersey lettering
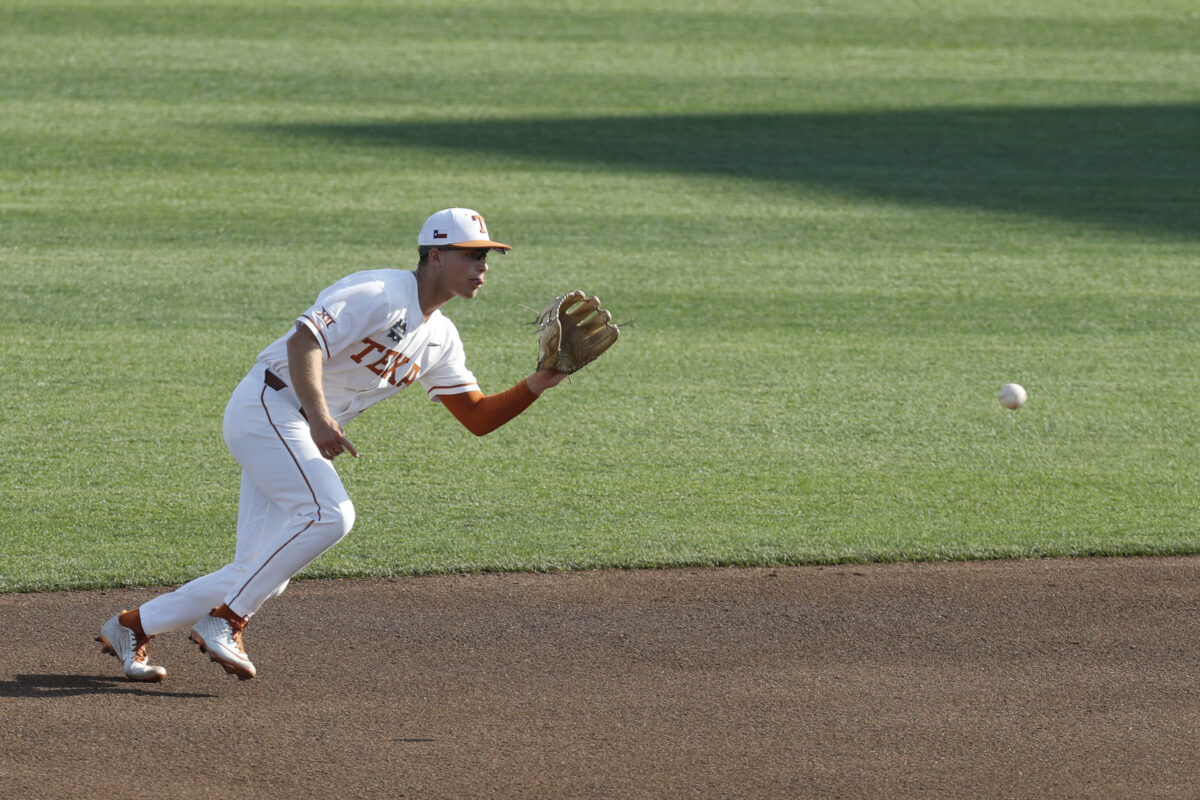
(387,365)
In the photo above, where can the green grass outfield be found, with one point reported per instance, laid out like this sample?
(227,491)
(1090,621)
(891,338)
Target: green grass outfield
(838,228)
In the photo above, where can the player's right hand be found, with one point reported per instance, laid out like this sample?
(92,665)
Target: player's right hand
(330,440)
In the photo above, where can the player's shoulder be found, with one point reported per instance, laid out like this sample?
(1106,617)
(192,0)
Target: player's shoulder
(387,283)
(397,282)
(383,277)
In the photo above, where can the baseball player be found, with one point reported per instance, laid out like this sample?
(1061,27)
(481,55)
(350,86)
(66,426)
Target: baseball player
(365,338)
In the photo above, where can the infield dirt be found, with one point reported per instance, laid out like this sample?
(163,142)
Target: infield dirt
(1021,679)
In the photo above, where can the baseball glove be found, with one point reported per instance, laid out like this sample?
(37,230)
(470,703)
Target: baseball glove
(572,332)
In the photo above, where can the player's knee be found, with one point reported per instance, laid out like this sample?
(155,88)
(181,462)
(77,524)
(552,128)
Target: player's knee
(341,519)
(328,523)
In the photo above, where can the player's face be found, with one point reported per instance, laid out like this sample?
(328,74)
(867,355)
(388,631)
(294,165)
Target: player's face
(464,270)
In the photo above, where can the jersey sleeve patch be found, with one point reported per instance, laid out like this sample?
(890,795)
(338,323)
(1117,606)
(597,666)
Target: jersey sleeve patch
(318,331)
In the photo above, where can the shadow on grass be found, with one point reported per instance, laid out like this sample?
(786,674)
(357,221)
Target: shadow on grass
(1133,167)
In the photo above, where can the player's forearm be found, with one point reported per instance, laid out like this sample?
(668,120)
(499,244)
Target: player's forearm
(306,368)
(481,414)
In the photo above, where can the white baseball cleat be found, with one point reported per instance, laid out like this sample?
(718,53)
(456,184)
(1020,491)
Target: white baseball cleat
(133,654)
(220,635)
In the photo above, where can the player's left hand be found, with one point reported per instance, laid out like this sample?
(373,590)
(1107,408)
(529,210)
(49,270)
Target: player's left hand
(545,379)
(573,331)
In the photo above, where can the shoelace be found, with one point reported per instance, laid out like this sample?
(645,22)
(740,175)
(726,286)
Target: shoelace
(235,624)
(141,653)
(235,632)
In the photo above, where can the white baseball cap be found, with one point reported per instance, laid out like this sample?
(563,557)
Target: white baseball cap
(457,227)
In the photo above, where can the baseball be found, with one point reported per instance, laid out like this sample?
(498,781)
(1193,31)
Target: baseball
(1012,395)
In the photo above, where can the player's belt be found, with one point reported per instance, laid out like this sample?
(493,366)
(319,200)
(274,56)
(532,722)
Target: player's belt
(275,382)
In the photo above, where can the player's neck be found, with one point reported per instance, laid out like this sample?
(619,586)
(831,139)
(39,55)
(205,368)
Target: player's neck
(430,294)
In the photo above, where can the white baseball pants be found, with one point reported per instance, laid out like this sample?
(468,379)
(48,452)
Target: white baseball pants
(293,507)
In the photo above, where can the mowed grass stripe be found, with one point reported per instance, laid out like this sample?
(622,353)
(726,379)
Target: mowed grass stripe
(835,230)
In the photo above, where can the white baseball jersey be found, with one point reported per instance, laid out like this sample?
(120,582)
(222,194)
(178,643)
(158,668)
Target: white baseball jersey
(376,341)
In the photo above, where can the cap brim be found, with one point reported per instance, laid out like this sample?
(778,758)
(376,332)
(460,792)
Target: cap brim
(476,245)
